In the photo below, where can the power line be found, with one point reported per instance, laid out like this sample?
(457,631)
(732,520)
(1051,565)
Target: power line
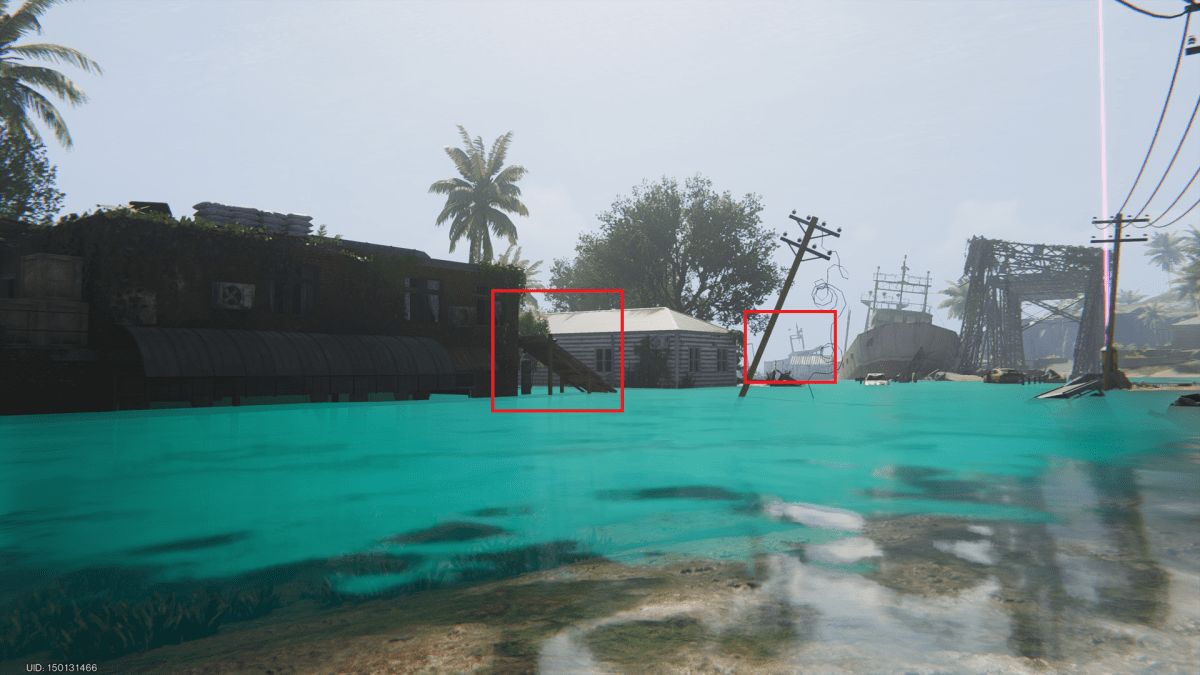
(1162,115)
(1173,157)
(1194,205)
(1147,13)
(1172,205)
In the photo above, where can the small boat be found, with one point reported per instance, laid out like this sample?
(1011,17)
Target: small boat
(876,379)
(1187,401)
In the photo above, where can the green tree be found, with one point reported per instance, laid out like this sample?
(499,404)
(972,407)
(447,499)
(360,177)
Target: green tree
(956,304)
(693,250)
(1166,250)
(479,198)
(19,101)
(27,190)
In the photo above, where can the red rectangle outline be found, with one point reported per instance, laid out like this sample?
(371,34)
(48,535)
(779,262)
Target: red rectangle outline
(746,344)
(619,291)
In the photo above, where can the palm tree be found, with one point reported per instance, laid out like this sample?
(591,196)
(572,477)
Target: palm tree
(1166,250)
(1187,283)
(1152,316)
(1192,246)
(956,304)
(19,101)
(478,199)
(1129,297)
(513,257)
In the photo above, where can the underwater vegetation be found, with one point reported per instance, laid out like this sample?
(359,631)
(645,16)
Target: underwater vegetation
(447,532)
(103,629)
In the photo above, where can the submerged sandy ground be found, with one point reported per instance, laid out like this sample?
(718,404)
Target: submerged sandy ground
(936,595)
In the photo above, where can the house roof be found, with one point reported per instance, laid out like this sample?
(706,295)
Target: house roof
(1194,321)
(645,319)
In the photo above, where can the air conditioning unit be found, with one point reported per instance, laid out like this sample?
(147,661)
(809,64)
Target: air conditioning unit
(228,295)
(462,317)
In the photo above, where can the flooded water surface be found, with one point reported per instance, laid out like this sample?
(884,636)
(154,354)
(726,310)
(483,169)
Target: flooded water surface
(935,527)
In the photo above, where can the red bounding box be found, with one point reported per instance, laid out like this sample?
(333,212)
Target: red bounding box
(621,314)
(746,346)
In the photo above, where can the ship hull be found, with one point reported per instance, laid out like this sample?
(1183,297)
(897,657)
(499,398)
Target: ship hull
(900,351)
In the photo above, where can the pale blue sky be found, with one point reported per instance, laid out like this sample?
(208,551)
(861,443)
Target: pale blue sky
(910,124)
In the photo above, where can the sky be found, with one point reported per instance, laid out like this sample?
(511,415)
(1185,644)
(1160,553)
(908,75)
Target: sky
(912,125)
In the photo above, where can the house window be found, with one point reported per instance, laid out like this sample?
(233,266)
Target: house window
(722,360)
(693,359)
(422,300)
(294,292)
(603,360)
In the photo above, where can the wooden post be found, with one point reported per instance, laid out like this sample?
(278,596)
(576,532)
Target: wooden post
(550,365)
(762,346)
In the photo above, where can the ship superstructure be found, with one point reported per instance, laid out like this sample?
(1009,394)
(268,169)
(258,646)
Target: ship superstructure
(899,338)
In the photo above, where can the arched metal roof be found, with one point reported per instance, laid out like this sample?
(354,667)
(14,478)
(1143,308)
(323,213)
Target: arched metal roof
(206,352)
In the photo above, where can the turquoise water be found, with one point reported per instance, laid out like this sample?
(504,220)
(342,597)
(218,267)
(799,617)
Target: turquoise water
(808,475)
(275,484)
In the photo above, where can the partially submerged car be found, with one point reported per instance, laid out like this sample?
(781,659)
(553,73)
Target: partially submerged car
(877,379)
(1005,376)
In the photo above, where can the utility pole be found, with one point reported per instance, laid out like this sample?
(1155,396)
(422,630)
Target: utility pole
(1110,353)
(800,249)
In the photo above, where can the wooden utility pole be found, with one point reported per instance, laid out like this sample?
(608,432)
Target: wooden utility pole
(1110,353)
(800,249)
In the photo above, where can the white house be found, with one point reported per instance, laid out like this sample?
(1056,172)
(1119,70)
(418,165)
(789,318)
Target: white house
(697,353)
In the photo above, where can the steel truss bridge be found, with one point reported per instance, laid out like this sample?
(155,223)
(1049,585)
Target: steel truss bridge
(1065,281)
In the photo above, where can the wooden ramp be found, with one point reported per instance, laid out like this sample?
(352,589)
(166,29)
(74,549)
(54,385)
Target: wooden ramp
(572,372)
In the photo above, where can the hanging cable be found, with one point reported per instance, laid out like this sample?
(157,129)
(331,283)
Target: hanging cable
(1173,158)
(1162,115)
(1193,206)
(1157,16)
(1168,209)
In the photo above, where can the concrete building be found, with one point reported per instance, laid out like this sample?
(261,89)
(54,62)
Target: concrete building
(663,348)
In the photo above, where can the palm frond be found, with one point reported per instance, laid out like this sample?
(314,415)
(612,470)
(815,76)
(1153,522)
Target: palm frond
(502,226)
(511,174)
(448,185)
(462,161)
(512,205)
(57,54)
(499,152)
(29,99)
(52,80)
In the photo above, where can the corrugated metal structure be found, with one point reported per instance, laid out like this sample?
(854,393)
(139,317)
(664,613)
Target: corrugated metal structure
(696,353)
(803,366)
(201,366)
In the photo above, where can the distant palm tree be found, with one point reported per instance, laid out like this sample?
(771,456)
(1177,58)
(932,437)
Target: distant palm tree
(19,101)
(1129,297)
(477,201)
(513,257)
(1187,283)
(956,304)
(1167,251)
(1153,316)
(1192,246)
